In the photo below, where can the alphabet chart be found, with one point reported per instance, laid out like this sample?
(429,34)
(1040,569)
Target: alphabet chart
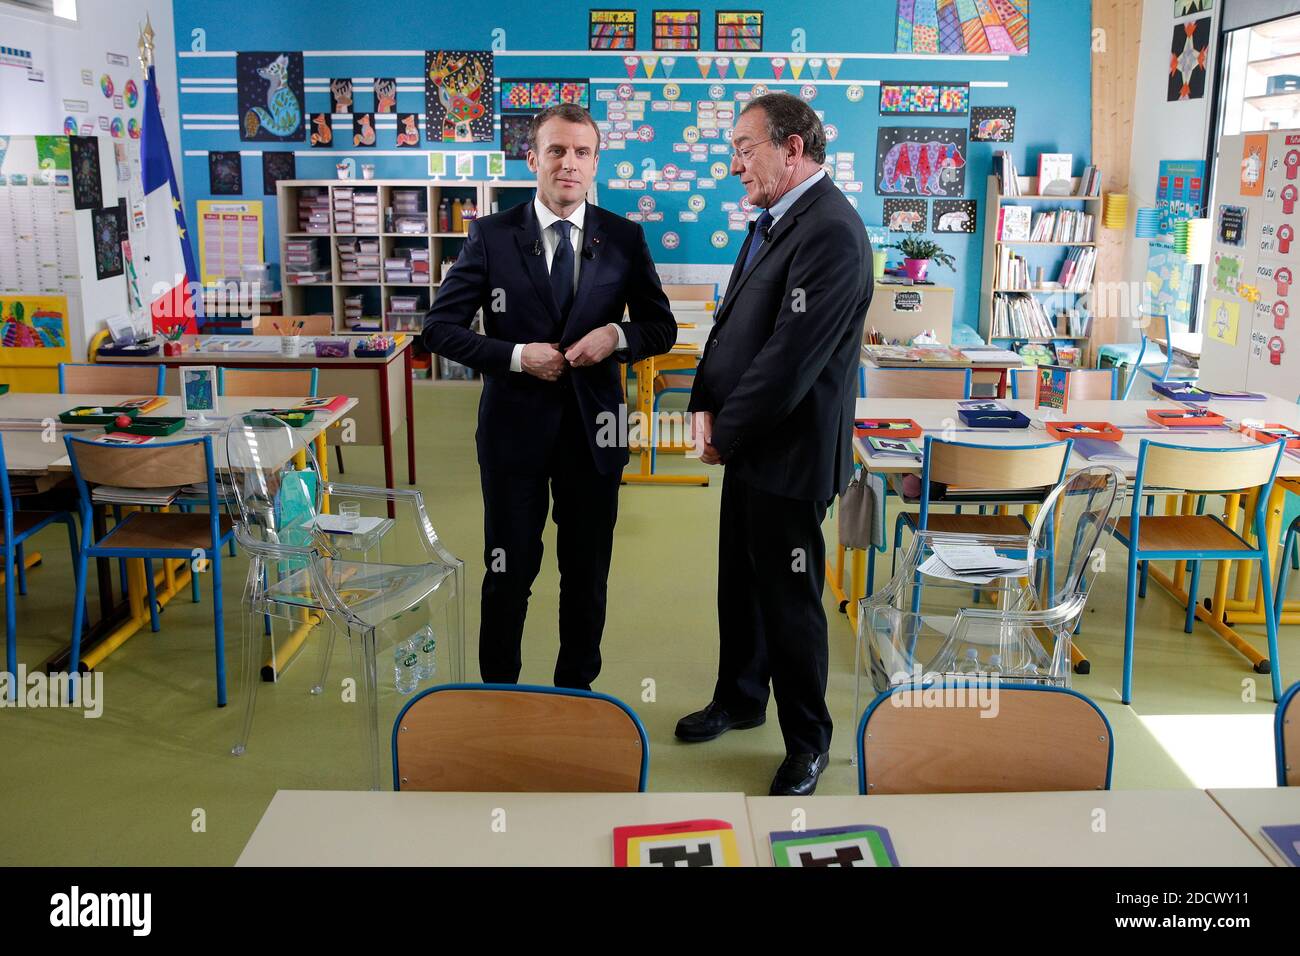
(1251,340)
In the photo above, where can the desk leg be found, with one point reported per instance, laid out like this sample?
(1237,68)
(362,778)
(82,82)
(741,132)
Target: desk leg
(645,401)
(1002,383)
(322,463)
(386,426)
(410,415)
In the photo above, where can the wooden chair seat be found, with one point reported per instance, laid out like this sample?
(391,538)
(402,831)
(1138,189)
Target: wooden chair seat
(161,531)
(25,521)
(1181,533)
(973,523)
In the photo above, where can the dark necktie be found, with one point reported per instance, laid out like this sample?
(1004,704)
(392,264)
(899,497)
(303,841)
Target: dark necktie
(759,237)
(562,268)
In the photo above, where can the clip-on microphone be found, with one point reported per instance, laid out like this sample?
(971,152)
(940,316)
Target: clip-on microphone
(537,247)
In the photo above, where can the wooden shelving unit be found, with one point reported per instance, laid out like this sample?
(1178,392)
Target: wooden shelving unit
(990,291)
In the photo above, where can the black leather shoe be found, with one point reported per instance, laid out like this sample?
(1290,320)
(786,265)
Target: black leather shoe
(713,721)
(797,776)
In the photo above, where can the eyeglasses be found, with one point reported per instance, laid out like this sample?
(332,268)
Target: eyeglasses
(746,153)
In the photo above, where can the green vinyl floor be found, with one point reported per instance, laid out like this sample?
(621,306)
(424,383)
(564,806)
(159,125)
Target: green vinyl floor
(152,780)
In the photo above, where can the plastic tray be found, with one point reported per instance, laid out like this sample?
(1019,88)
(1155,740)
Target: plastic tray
(1099,431)
(1260,434)
(988,419)
(109,415)
(152,425)
(863,428)
(1179,418)
(374,353)
(293,417)
(1181,391)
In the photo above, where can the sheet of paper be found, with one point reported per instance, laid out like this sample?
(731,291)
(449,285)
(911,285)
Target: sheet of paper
(976,559)
(333,524)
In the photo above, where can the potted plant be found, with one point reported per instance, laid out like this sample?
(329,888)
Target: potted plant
(918,254)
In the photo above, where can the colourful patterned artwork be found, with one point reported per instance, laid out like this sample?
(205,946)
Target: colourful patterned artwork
(533,95)
(1168,290)
(514,135)
(612,29)
(992,124)
(940,99)
(34,322)
(739,30)
(458,96)
(997,27)
(270,96)
(1187,60)
(924,161)
(677,29)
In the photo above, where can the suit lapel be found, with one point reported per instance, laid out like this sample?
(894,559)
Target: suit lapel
(529,237)
(783,225)
(592,238)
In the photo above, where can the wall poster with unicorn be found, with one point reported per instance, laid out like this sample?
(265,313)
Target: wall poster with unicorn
(271,100)
(458,96)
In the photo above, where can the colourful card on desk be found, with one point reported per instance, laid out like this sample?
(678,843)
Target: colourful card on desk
(902,447)
(330,403)
(144,405)
(122,438)
(1287,841)
(856,845)
(684,843)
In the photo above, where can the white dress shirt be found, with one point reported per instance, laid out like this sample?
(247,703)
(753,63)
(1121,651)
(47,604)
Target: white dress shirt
(782,205)
(550,238)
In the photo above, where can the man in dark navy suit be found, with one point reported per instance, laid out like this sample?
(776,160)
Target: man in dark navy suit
(773,401)
(552,278)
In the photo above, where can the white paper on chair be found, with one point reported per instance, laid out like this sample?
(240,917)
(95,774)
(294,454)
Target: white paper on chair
(978,559)
(935,568)
(333,524)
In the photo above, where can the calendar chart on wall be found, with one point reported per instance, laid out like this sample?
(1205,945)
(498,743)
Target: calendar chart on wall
(1251,337)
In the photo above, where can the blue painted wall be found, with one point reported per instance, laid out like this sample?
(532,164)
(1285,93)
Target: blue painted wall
(1050,89)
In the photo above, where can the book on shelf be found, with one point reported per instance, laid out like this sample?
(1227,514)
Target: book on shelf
(1020,316)
(1062,225)
(1005,169)
(1054,177)
(1076,270)
(1013,223)
(1090,182)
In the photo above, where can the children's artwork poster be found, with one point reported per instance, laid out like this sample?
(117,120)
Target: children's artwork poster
(1184,8)
(107,228)
(271,99)
(458,96)
(954,215)
(1052,388)
(1187,60)
(1180,191)
(199,388)
(676,30)
(1168,289)
(514,134)
(905,215)
(341,94)
(1227,273)
(87,189)
(921,161)
(277,165)
(322,131)
(408,130)
(999,27)
(1224,319)
(363,130)
(539,94)
(1254,154)
(225,173)
(992,124)
(1230,224)
(612,29)
(230,237)
(910,98)
(385,94)
(34,321)
(739,31)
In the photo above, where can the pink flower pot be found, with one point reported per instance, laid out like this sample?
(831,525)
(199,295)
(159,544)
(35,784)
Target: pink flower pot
(916,269)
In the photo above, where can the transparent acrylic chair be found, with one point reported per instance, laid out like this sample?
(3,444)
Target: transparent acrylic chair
(919,628)
(311,573)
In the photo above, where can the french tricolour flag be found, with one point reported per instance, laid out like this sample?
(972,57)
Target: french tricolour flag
(171,275)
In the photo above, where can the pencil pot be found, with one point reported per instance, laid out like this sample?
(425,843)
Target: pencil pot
(173,348)
(290,346)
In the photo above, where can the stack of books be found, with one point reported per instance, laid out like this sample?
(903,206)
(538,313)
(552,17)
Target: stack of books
(1062,225)
(314,210)
(1076,271)
(1020,317)
(1090,182)
(135,496)
(1013,270)
(1005,169)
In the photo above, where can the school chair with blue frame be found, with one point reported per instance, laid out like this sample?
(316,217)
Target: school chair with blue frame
(914,382)
(936,738)
(267,381)
(1156,371)
(1167,468)
(1287,727)
(91,378)
(1085,383)
(518,738)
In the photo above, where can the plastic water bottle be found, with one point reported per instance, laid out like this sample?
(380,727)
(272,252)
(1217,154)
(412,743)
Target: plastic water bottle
(425,646)
(995,665)
(971,663)
(405,658)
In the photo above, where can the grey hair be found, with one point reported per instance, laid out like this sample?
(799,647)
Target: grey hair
(787,116)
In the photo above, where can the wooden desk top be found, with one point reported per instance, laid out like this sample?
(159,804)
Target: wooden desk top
(22,415)
(1075,828)
(349,828)
(1252,809)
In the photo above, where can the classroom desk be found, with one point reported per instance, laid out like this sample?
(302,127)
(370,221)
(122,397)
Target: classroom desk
(937,415)
(1000,371)
(684,355)
(1133,827)
(1252,809)
(382,386)
(22,418)
(353,828)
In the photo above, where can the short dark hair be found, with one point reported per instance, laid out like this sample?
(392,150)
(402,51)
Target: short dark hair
(569,112)
(787,116)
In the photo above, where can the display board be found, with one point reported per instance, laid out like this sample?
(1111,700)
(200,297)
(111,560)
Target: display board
(1252,306)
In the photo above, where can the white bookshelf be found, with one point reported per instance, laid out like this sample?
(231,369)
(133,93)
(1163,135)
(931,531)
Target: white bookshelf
(993,247)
